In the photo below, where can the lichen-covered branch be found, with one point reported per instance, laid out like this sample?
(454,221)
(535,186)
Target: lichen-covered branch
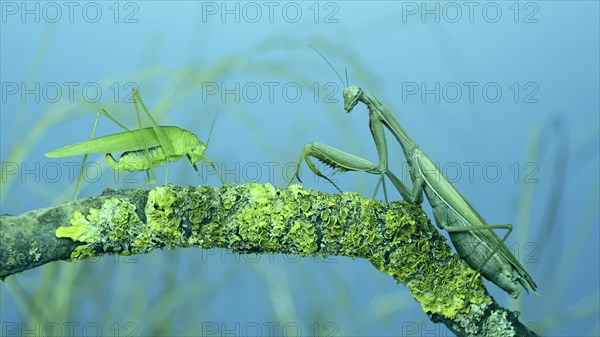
(397,238)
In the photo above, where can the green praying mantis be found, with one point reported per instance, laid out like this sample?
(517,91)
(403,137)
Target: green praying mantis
(143,149)
(472,237)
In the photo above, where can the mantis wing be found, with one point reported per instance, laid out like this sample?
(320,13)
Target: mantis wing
(450,196)
(118,142)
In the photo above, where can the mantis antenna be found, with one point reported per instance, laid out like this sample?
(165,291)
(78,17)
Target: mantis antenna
(326,60)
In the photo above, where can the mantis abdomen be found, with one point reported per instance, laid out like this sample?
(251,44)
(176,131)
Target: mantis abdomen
(471,236)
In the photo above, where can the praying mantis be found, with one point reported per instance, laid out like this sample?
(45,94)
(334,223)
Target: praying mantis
(472,237)
(143,149)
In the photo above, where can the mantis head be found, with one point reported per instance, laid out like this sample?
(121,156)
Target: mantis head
(351,94)
(351,97)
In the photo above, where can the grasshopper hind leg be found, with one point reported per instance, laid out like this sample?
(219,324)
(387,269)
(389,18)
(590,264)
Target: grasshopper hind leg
(85,156)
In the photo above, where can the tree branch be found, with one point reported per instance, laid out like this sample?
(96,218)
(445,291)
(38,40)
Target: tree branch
(397,238)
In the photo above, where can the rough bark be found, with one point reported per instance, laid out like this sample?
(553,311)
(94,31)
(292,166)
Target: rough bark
(397,238)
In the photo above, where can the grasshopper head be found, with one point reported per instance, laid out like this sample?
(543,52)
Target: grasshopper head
(187,144)
(197,152)
(351,97)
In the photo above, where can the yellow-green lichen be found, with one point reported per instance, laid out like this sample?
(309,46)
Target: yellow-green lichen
(207,208)
(213,235)
(332,228)
(253,219)
(116,227)
(352,240)
(80,230)
(470,322)
(228,198)
(297,190)
(449,290)
(398,227)
(254,232)
(262,222)
(433,275)
(162,223)
(498,325)
(261,194)
(302,238)
(383,237)
(111,226)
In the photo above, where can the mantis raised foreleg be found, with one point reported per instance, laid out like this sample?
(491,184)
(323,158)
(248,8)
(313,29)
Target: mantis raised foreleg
(342,161)
(142,149)
(473,238)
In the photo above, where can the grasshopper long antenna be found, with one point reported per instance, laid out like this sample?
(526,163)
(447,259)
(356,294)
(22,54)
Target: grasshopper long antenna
(212,126)
(326,60)
(347,82)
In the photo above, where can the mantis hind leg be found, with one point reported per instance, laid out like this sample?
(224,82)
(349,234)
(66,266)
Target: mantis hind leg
(380,181)
(85,157)
(508,228)
(341,162)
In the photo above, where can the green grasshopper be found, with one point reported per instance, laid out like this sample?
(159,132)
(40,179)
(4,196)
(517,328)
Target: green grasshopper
(472,237)
(143,149)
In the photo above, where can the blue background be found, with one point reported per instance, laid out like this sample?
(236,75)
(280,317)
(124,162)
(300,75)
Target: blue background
(533,148)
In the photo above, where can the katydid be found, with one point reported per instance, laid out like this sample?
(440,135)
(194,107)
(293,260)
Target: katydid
(472,237)
(143,149)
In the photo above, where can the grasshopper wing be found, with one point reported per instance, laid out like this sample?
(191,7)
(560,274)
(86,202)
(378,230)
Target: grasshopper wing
(119,142)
